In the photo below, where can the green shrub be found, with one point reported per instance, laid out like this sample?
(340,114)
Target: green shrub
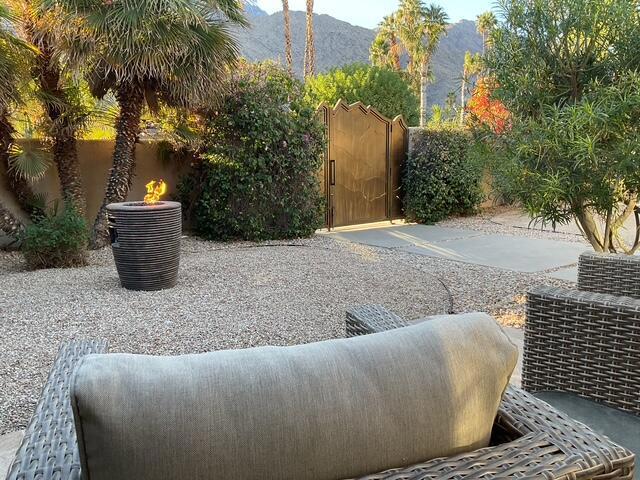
(258,177)
(441,178)
(385,90)
(57,240)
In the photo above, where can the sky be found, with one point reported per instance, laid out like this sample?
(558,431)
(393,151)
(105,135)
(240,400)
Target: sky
(368,13)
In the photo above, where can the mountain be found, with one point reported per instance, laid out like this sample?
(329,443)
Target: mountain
(339,43)
(254,10)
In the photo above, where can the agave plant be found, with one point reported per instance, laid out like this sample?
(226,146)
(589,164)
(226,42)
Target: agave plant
(147,51)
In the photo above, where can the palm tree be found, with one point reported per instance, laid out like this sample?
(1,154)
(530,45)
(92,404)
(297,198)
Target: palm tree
(472,66)
(310,49)
(147,51)
(58,96)
(410,26)
(385,50)
(12,69)
(485,23)
(287,36)
(421,29)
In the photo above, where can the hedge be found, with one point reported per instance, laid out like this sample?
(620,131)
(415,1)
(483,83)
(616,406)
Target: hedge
(441,177)
(257,178)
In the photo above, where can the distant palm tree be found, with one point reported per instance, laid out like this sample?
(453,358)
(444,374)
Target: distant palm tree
(287,36)
(410,27)
(421,28)
(472,66)
(175,51)
(310,49)
(485,23)
(386,49)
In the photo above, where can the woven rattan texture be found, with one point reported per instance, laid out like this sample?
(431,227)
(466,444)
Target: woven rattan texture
(585,343)
(612,274)
(49,450)
(540,442)
(366,319)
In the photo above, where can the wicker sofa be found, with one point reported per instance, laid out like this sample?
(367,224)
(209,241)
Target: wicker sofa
(530,439)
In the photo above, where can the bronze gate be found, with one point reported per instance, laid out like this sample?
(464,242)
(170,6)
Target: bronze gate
(363,164)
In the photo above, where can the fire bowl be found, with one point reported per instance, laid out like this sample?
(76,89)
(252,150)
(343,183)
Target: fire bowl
(145,239)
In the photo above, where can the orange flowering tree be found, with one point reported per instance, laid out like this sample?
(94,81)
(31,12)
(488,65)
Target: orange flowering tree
(485,110)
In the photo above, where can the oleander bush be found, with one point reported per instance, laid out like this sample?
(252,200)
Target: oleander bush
(442,177)
(56,240)
(257,177)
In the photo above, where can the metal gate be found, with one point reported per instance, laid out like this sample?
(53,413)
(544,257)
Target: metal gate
(363,164)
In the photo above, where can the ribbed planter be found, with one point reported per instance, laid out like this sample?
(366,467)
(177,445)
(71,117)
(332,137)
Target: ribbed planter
(145,239)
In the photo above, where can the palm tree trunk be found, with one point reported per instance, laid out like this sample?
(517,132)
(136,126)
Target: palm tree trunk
(395,54)
(65,148)
(287,36)
(65,144)
(131,100)
(310,50)
(424,75)
(9,223)
(65,154)
(462,99)
(17,185)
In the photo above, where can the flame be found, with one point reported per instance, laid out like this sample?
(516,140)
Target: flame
(155,190)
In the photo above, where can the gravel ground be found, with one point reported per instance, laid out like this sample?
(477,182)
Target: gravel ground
(229,296)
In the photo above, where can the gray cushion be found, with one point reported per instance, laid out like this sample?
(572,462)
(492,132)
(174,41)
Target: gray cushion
(329,410)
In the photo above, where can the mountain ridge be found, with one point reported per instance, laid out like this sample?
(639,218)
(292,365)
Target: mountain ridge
(339,43)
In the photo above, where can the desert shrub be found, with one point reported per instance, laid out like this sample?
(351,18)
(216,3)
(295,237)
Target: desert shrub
(56,240)
(385,90)
(258,175)
(441,177)
(570,153)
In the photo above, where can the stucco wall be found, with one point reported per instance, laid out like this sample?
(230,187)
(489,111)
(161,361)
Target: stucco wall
(95,162)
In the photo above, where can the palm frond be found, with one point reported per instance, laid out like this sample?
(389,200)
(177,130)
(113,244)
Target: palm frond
(180,48)
(29,161)
(14,57)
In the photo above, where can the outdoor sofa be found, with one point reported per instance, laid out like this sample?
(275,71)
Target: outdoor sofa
(528,439)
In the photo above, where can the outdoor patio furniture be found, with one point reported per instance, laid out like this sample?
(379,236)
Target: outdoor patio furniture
(586,343)
(571,449)
(49,449)
(530,439)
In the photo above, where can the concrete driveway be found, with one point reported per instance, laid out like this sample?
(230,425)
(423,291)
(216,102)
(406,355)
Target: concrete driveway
(521,254)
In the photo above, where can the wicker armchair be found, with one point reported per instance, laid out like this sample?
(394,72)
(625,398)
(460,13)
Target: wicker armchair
(587,341)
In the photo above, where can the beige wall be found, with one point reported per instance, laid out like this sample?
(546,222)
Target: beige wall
(95,162)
